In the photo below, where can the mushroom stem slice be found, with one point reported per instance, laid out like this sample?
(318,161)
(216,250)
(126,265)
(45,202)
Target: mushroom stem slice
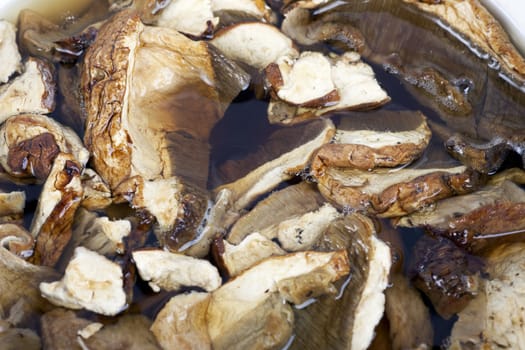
(9,54)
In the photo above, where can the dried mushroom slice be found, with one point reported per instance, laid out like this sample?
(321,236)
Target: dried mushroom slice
(32,143)
(16,239)
(97,194)
(19,338)
(367,141)
(181,323)
(473,20)
(90,281)
(168,152)
(355,88)
(58,202)
(231,11)
(33,91)
(391,193)
(286,153)
(9,55)
(12,206)
(170,271)
(348,321)
(241,312)
(476,221)
(255,44)
(493,318)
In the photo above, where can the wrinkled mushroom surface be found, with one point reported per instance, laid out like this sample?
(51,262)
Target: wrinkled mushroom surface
(9,53)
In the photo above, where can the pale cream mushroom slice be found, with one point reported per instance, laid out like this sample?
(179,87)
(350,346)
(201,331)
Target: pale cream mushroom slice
(181,323)
(168,153)
(16,239)
(255,44)
(171,271)
(238,307)
(493,318)
(60,197)
(90,282)
(231,11)
(33,141)
(472,20)
(12,205)
(9,54)
(284,155)
(33,91)
(97,195)
(370,140)
(354,82)
(348,320)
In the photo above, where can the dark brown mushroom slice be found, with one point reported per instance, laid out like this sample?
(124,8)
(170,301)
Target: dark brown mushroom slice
(492,319)
(60,197)
(168,153)
(9,54)
(355,88)
(33,91)
(369,140)
(280,205)
(447,274)
(12,206)
(348,321)
(243,310)
(230,12)
(32,143)
(282,156)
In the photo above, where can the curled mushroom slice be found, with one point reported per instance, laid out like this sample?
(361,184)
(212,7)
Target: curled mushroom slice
(170,271)
(181,324)
(97,194)
(473,20)
(286,153)
(32,142)
(254,299)
(492,319)
(353,81)
(348,321)
(17,240)
(367,141)
(255,44)
(12,206)
(57,204)
(33,91)
(90,281)
(9,55)
(168,153)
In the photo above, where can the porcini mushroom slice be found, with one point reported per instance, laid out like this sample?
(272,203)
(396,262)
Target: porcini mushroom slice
(286,153)
(354,82)
(241,10)
(32,142)
(255,44)
(9,55)
(234,259)
(492,319)
(390,193)
(57,204)
(12,206)
(181,323)
(294,277)
(33,91)
(19,338)
(348,320)
(476,221)
(90,281)
(380,139)
(170,271)
(167,153)
(97,194)
(471,19)
(16,239)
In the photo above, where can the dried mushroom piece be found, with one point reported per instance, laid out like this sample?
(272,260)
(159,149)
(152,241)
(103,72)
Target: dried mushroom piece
(168,152)
(285,154)
(170,271)
(90,281)
(348,321)
(19,338)
(476,221)
(16,239)
(250,308)
(255,44)
(12,206)
(493,318)
(367,141)
(234,11)
(9,55)
(473,20)
(33,91)
(97,194)
(181,323)
(57,205)
(32,143)
(354,87)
